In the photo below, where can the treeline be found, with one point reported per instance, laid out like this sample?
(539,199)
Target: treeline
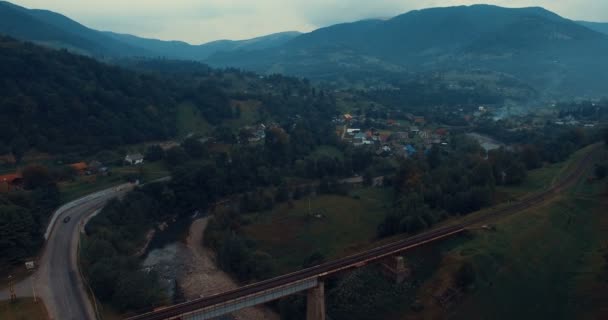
(462,178)
(551,143)
(58,102)
(588,110)
(24,216)
(55,101)
(114,236)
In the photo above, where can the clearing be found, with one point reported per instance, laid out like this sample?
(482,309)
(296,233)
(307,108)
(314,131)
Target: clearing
(338,225)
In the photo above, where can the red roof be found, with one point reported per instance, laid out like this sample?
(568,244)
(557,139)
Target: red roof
(442,131)
(10,178)
(80,166)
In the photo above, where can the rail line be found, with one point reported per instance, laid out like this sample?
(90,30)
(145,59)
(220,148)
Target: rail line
(363,258)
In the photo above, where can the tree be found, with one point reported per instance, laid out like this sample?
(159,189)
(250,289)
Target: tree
(194,148)
(601,171)
(176,156)
(18,147)
(154,153)
(224,134)
(17,234)
(465,275)
(137,290)
(36,176)
(368,179)
(531,157)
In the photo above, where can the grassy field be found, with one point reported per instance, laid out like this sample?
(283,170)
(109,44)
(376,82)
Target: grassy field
(23,309)
(544,263)
(89,184)
(328,151)
(292,235)
(189,121)
(249,114)
(542,178)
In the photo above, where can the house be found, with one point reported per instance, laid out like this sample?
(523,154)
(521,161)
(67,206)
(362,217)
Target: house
(80,167)
(414,130)
(94,166)
(359,139)
(419,120)
(348,117)
(10,182)
(135,158)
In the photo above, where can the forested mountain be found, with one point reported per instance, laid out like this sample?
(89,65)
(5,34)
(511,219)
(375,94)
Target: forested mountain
(597,26)
(53,29)
(537,46)
(56,101)
(183,50)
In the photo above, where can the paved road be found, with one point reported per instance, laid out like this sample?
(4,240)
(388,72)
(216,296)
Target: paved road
(57,280)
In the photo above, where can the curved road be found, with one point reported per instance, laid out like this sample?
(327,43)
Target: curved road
(57,280)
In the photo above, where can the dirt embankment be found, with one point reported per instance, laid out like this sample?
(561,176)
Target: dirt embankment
(204,278)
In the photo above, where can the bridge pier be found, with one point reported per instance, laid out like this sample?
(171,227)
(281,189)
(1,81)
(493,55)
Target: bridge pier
(396,268)
(315,302)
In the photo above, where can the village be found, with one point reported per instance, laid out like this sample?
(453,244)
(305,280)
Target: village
(406,136)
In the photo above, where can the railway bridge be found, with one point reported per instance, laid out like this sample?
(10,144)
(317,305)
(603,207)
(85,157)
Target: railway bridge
(311,279)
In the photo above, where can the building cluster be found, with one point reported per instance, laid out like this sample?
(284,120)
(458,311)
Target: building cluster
(397,140)
(253,134)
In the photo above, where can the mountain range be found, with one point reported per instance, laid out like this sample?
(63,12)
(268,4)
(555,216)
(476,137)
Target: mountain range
(56,30)
(555,55)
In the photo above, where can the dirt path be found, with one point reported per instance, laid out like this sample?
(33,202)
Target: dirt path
(205,278)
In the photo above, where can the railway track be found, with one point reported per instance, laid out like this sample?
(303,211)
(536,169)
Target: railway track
(372,255)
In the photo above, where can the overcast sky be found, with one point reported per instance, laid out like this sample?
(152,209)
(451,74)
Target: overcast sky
(199,21)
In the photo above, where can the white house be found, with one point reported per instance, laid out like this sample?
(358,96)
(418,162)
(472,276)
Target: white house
(133,159)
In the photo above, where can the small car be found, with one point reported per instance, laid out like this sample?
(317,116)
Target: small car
(67,219)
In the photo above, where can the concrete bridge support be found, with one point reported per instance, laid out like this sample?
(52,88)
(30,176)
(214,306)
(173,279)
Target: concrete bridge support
(396,268)
(315,303)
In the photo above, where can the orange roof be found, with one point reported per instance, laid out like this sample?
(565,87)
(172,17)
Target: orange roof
(10,178)
(80,166)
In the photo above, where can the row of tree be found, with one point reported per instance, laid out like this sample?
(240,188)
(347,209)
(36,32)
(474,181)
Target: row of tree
(24,216)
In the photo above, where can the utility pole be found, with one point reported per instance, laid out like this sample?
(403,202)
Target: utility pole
(33,288)
(11,288)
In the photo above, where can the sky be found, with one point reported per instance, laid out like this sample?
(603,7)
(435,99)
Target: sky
(200,21)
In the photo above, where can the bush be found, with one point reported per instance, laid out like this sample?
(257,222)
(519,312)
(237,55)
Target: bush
(601,171)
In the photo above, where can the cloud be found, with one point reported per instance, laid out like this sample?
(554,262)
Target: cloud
(199,21)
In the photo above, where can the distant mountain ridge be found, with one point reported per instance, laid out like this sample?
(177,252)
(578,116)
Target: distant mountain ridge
(597,26)
(545,50)
(183,50)
(533,45)
(55,30)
